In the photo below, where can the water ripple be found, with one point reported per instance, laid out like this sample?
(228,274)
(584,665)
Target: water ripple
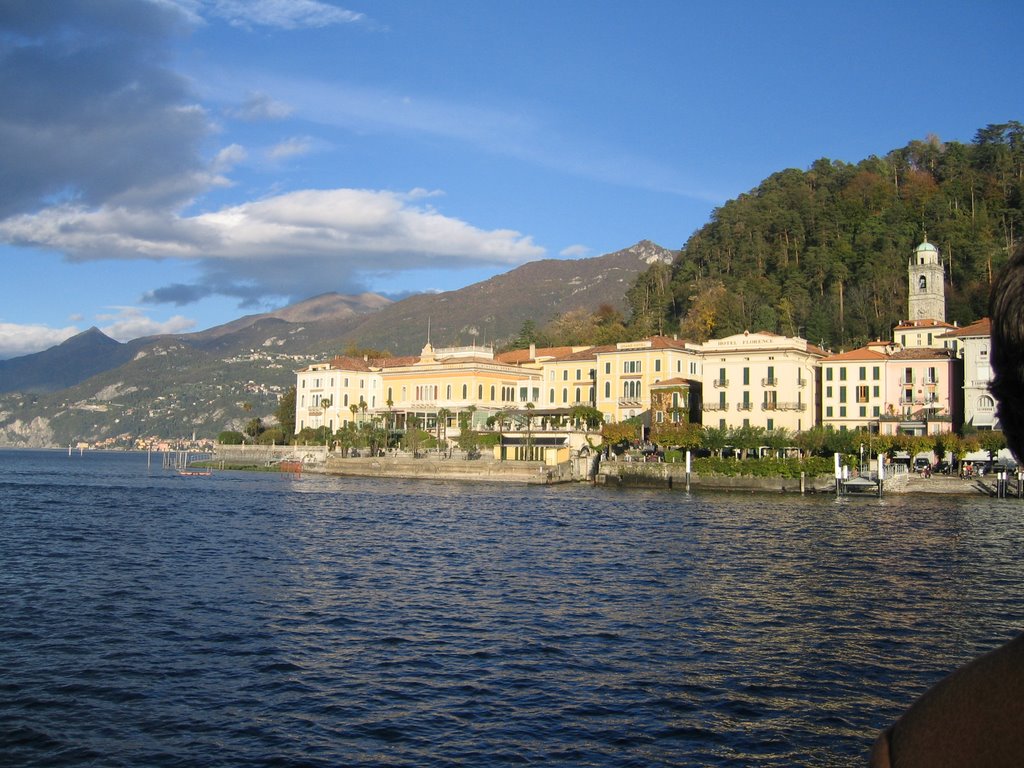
(253,620)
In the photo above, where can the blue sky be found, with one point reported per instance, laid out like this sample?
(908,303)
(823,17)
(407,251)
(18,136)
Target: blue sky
(170,165)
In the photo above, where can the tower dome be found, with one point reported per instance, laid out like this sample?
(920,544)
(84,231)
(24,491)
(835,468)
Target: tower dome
(926,253)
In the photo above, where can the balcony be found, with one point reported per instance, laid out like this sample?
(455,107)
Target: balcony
(720,383)
(745,407)
(769,382)
(801,382)
(630,402)
(784,406)
(715,407)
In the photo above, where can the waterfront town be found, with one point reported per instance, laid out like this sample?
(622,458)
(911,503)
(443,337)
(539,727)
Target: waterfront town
(930,378)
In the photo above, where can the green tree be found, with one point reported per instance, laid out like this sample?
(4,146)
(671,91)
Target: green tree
(286,412)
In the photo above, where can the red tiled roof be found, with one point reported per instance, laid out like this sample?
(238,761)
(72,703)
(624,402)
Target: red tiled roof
(981,327)
(912,324)
(922,353)
(862,353)
(520,356)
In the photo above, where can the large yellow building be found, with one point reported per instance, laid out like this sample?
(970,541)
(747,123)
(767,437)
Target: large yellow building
(450,382)
(627,371)
(760,380)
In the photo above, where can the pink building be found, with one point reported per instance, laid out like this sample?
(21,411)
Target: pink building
(922,392)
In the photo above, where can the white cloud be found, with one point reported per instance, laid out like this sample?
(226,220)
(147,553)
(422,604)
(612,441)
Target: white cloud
(259,106)
(575,251)
(286,14)
(285,244)
(293,147)
(128,323)
(17,340)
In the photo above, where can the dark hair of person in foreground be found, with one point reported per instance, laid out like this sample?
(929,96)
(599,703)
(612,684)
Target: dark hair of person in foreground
(975,717)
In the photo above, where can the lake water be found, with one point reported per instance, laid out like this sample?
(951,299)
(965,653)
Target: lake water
(261,620)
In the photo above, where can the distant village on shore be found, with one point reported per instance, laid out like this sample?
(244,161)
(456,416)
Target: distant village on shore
(930,378)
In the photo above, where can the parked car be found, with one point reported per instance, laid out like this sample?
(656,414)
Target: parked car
(921,463)
(941,467)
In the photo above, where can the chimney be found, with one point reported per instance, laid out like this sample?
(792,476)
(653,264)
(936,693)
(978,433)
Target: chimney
(533,351)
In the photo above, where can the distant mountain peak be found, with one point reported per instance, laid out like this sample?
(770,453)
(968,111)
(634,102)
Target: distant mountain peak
(651,253)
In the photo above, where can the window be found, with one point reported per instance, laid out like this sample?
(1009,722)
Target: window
(465,391)
(565,394)
(842,411)
(874,392)
(660,417)
(842,394)
(657,365)
(492,393)
(721,400)
(862,373)
(746,423)
(876,373)
(863,411)
(746,377)
(551,395)
(392,399)
(828,412)
(607,390)
(828,374)
(607,368)
(875,411)
(578,395)
(565,375)
(771,424)
(721,423)
(579,374)
(828,391)
(448,392)
(862,394)
(480,392)
(842,374)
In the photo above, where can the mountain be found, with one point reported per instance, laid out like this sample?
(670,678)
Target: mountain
(64,365)
(220,378)
(329,307)
(493,311)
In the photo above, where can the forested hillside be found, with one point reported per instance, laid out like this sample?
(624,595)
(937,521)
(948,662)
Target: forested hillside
(823,253)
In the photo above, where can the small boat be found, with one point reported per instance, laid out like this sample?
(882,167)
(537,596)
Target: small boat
(195,472)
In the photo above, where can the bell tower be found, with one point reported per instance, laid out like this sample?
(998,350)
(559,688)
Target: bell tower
(926,292)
